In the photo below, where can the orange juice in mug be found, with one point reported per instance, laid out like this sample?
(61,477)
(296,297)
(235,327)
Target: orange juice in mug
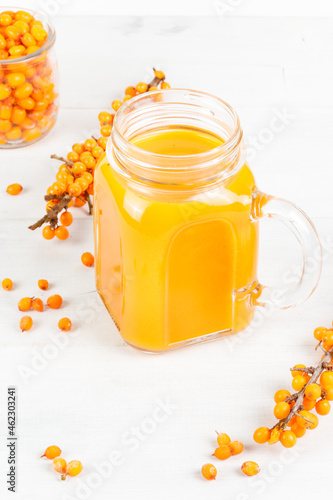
(176,222)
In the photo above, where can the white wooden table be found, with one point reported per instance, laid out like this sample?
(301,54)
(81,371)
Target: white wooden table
(97,398)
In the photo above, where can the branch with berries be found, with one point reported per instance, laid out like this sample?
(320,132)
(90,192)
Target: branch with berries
(314,390)
(74,183)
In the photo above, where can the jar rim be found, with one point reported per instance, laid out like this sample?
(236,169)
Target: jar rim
(232,141)
(51,37)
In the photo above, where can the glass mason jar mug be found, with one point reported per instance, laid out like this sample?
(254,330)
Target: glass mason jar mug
(176,224)
(28,77)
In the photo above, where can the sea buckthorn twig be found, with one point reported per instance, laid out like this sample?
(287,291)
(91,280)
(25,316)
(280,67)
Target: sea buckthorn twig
(75,176)
(314,389)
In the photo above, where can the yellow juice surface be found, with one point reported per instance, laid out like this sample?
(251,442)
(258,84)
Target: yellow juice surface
(172,268)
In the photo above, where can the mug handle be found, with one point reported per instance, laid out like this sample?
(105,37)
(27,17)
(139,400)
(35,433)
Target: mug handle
(299,223)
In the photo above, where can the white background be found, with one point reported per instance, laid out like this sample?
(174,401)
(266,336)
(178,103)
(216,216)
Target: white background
(260,56)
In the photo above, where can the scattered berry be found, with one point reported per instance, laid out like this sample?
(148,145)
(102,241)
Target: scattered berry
(87,259)
(222,438)
(7,284)
(60,465)
(14,189)
(209,471)
(222,452)
(74,468)
(54,301)
(250,468)
(37,304)
(52,452)
(26,323)
(236,447)
(25,304)
(43,284)
(65,324)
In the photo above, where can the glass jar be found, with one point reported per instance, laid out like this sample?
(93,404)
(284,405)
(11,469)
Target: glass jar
(28,90)
(176,224)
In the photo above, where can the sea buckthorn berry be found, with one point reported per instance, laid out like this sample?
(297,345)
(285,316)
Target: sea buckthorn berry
(73,156)
(39,33)
(152,88)
(159,74)
(89,144)
(281,395)
(22,26)
(116,104)
(78,168)
(48,233)
(6,111)
(27,103)
(5,19)
(37,304)
(7,284)
(65,324)
(105,117)
(14,189)
(326,379)
(222,438)
(17,50)
(102,141)
(74,189)
(236,447)
(327,340)
(82,183)
(28,40)
(5,91)
(14,134)
(22,15)
(298,382)
(18,115)
(308,404)
(313,392)
(307,420)
(74,468)
(165,86)
(58,187)
(61,232)
(88,177)
(281,410)
(60,465)
(89,161)
(127,98)
(295,373)
(26,323)
(209,471)
(66,219)
(318,332)
(142,87)
(323,407)
(262,435)
(25,304)
(298,430)
(52,452)
(288,439)
(23,91)
(222,452)
(97,152)
(15,79)
(106,130)
(5,126)
(87,259)
(90,189)
(12,33)
(54,301)
(43,284)
(78,148)
(328,393)
(130,91)
(250,468)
